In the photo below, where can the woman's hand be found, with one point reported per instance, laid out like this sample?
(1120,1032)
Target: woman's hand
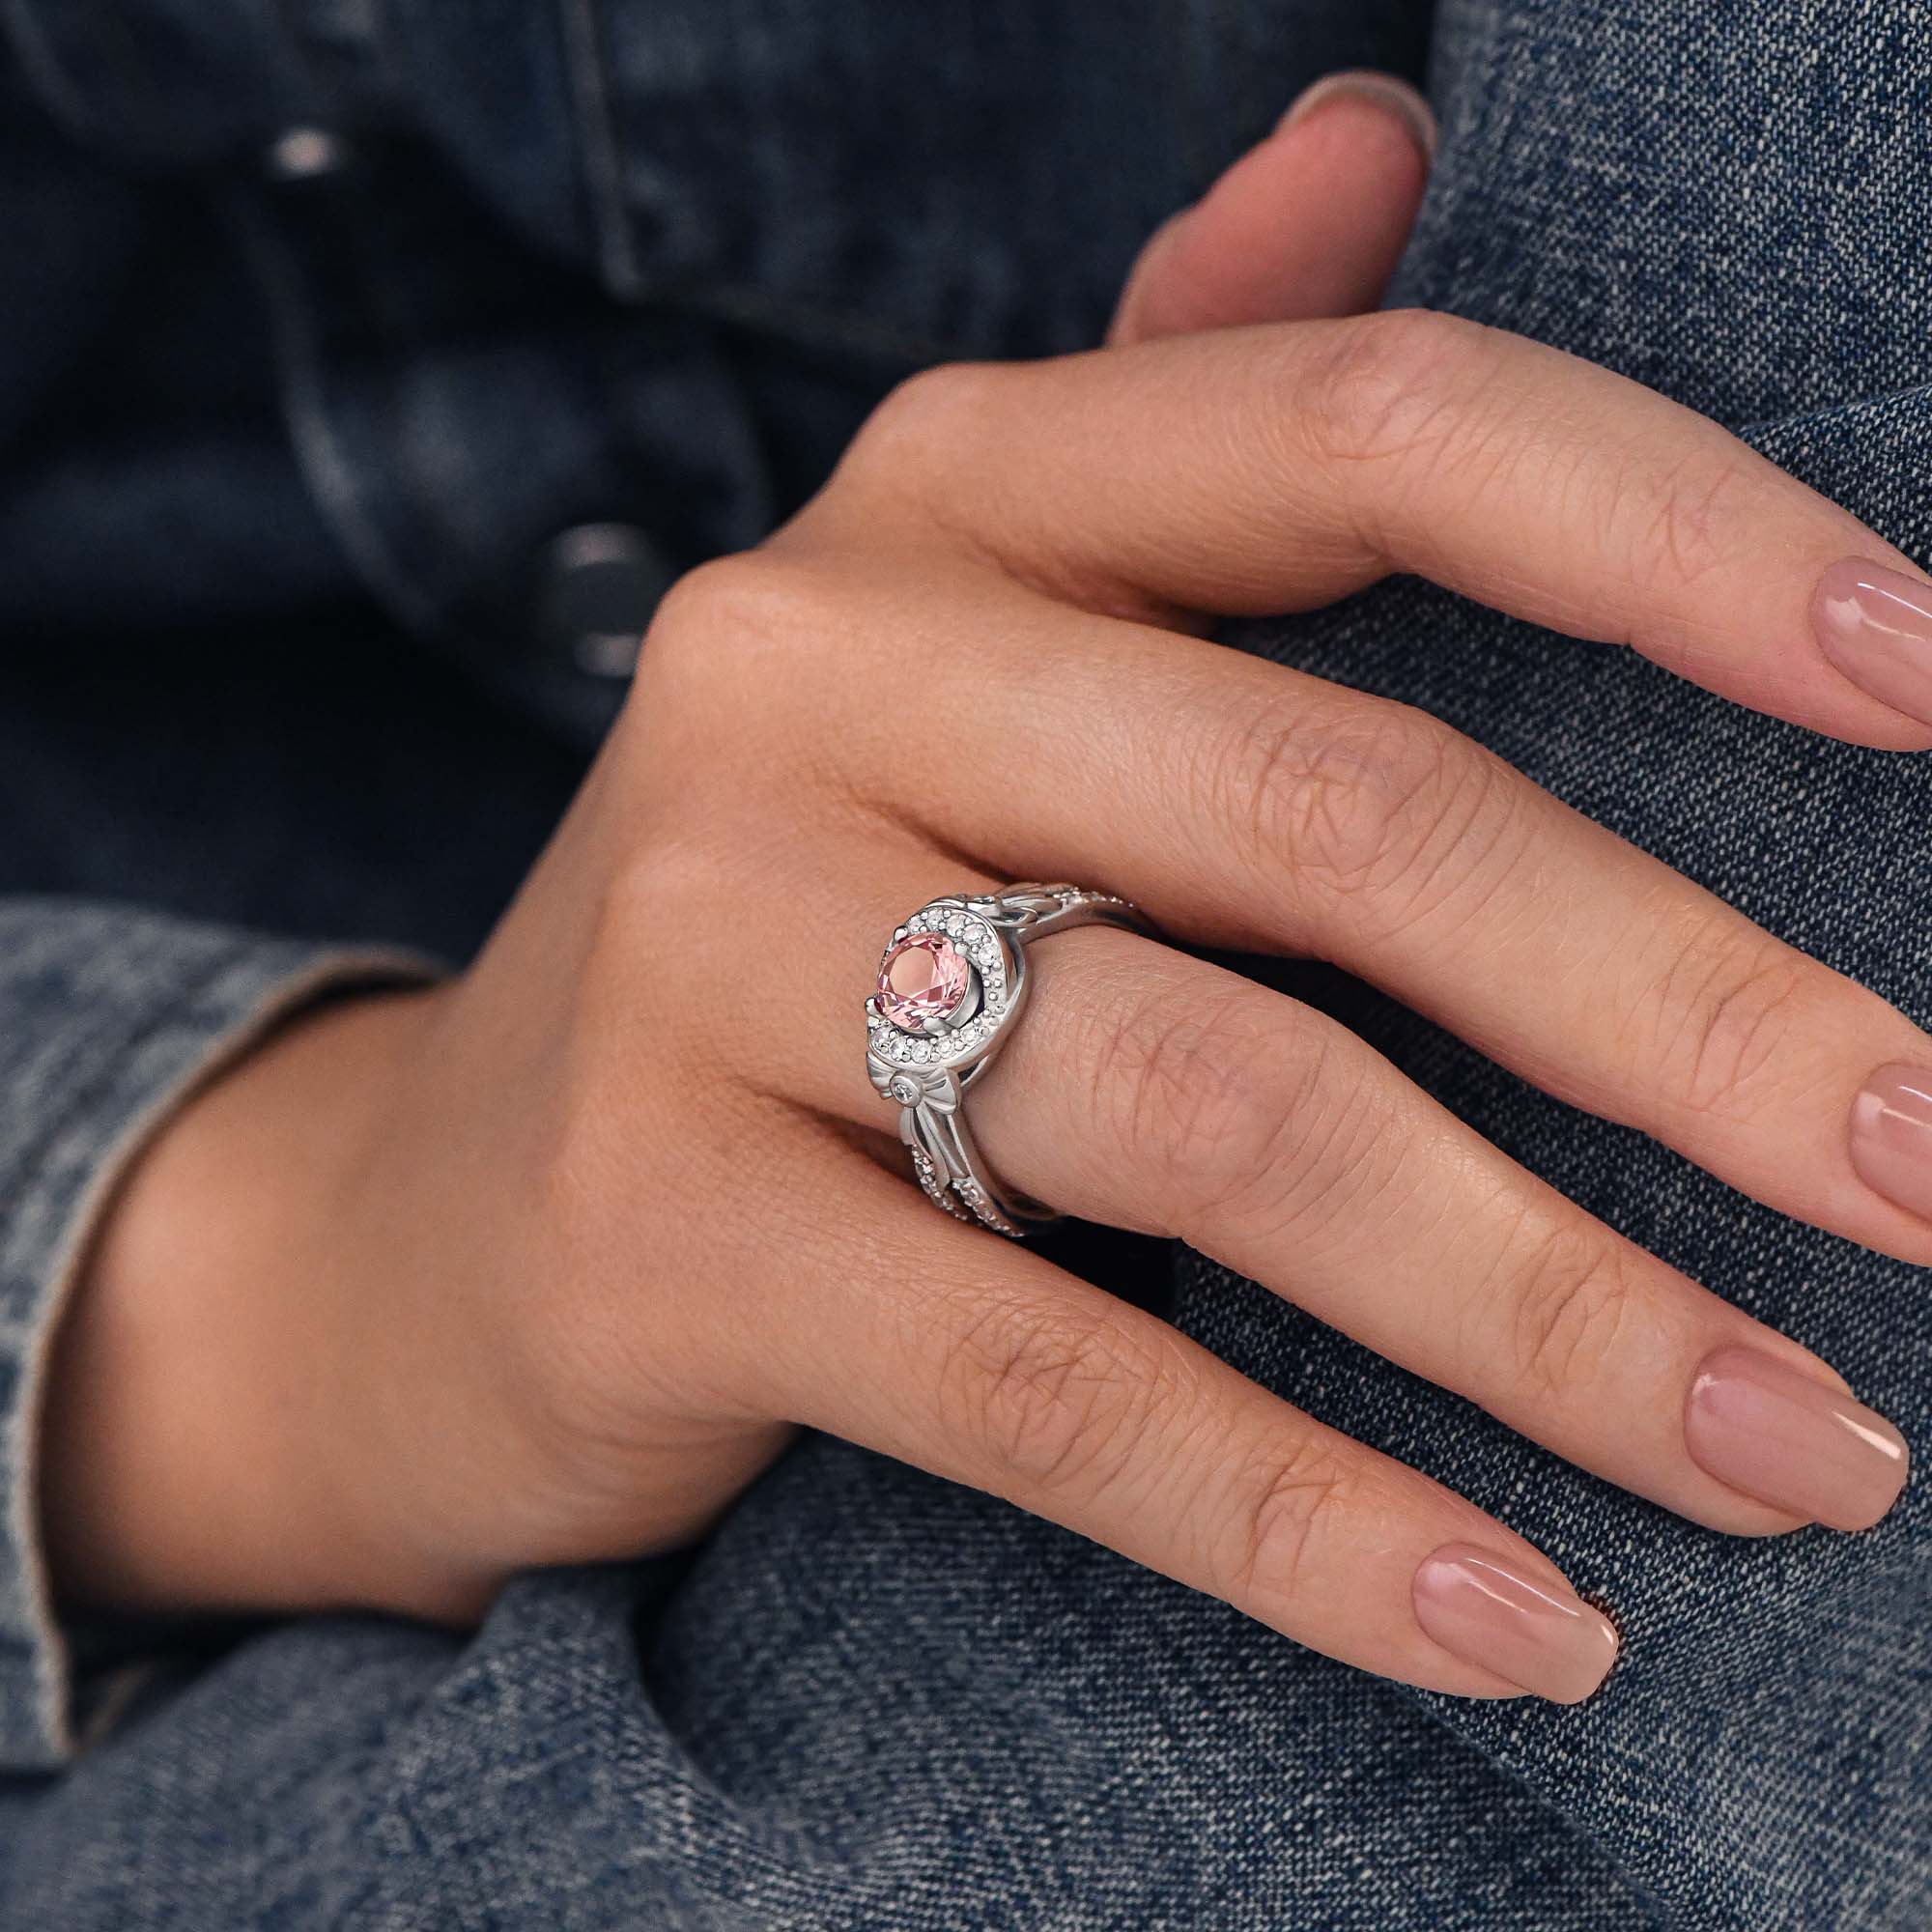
(546,1264)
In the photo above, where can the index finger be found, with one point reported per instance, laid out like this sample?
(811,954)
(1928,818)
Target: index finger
(1283,466)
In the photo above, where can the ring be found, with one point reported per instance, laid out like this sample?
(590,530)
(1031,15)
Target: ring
(953,981)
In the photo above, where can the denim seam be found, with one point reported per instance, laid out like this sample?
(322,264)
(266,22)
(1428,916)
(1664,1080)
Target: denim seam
(60,92)
(331,477)
(624,274)
(597,146)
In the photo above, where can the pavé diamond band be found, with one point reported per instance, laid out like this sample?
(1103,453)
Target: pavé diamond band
(952,983)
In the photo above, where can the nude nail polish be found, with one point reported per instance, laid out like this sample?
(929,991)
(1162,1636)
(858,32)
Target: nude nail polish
(1892,1136)
(1383,90)
(1793,1441)
(1488,1610)
(1876,626)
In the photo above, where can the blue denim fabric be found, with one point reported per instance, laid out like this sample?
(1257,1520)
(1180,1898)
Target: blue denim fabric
(108,1015)
(664,233)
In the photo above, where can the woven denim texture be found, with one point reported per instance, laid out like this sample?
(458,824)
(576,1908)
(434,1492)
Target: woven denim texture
(875,1701)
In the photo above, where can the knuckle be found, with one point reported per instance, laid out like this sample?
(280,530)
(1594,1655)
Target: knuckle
(926,427)
(642,976)
(1359,807)
(647,897)
(1285,1509)
(731,615)
(1389,384)
(1238,1097)
(695,612)
(1728,1008)
(1197,1085)
(1570,1297)
(1054,1397)
(737,647)
(1692,525)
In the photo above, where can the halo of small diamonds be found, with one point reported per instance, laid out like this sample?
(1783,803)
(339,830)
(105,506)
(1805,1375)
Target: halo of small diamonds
(990,961)
(951,981)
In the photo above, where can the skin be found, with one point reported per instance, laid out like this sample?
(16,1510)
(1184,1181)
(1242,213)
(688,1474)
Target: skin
(546,1262)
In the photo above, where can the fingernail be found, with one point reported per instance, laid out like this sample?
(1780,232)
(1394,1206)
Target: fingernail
(1365,84)
(1876,626)
(1793,1441)
(1892,1136)
(1540,1635)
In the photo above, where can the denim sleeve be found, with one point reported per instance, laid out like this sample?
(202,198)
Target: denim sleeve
(108,1019)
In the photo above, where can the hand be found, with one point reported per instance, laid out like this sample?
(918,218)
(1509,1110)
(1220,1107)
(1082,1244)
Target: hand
(544,1264)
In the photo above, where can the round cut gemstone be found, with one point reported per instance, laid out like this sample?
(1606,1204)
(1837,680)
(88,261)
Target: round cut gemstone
(924,976)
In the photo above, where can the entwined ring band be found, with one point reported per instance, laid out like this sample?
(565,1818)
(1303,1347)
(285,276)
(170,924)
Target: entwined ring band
(953,981)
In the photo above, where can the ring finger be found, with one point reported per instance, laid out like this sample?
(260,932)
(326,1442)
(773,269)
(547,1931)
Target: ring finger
(1154,1090)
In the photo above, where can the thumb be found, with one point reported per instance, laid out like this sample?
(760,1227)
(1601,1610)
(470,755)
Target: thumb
(1309,223)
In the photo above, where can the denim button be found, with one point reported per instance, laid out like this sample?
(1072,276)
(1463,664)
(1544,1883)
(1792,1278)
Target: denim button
(601,583)
(306,154)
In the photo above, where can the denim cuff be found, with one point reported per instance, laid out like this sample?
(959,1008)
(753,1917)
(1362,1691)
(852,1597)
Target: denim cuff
(110,1020)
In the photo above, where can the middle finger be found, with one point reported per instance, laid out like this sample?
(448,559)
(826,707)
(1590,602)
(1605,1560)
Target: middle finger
(1250,806)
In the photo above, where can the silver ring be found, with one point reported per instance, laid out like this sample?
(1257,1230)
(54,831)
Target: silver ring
(953,981)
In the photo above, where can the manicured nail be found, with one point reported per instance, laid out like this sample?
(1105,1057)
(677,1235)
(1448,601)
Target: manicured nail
(1892,1136)
(1540,1635)
(1793,1441)
(1384,90)
(1876,626)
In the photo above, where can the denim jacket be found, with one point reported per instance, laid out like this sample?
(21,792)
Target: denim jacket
(367,369)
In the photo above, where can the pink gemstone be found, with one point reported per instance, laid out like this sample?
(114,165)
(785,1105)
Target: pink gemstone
(924,976)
